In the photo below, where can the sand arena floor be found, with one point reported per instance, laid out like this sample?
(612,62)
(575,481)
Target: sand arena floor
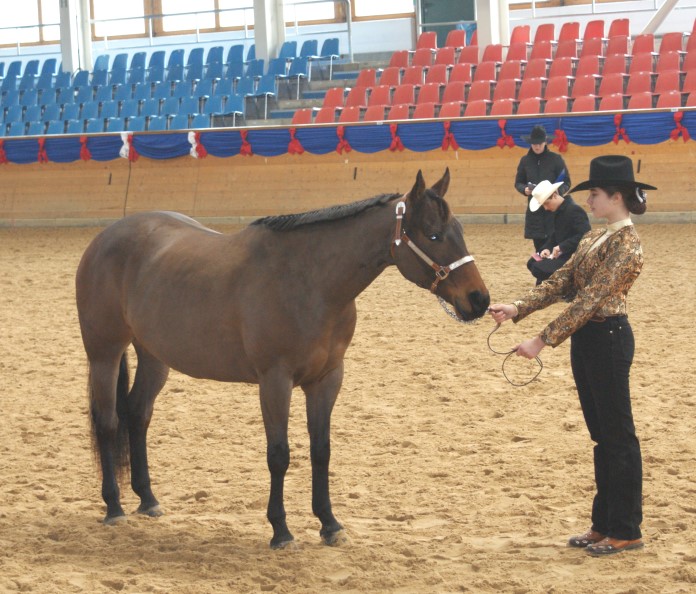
(446,478)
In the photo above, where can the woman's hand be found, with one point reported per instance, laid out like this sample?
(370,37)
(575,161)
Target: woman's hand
(545,253)
(530,348)
(502,312)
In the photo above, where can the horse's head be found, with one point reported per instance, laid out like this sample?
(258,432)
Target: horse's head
(429,249)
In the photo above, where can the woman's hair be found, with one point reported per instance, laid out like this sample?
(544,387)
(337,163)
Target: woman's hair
(634,198)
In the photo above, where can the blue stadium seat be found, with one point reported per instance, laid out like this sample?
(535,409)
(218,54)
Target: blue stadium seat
(235,70)
(299,69)
(120,62)
(99,78)
(288,51)
(10,98)
(29,97)
(170,106)
(214,71)
(52,112)
(235,106)
(194,72)
(49,66)
(156,59)
(189,105)
(157,123)
(14,113)
(101,62)
(175,73)
(181,89)
(179,122)
(109,109)
(123,92)
(138,61)
(150,107)
(251,53)
(9,83)
(45,81)
(142,91)
(90,110)
(162,90)
(36,129)
(55,127)
(329,52)
(195,57)
(201,120)
(117,77)
(135,124)
(246,87)
(105,93)
(155,74)
(81,79)
(14,69)
(223,87)
(94,126)
(213,105)
(75,126)
(83,95)
(129,108)
(235,54)
(115,124)
(214,55)
(47,96)
(176,58)
(28,81)
(71,111)
(267,87)
(255,68)
(204,88)
(137,76)
(63,79)
(16,129)
(33,113)
(309,49)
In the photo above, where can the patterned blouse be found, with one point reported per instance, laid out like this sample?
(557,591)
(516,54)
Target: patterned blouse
(597,277)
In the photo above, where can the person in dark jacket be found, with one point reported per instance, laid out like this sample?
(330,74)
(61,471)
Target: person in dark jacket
(537,165)
(570,223)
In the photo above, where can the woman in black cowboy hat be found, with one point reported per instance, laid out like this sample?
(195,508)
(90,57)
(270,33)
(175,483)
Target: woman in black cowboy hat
(539,164)
(599,275)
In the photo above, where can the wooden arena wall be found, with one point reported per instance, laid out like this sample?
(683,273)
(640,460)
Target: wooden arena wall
(240,188)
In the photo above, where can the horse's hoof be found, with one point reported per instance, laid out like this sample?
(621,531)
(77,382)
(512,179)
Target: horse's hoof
(286,542)
(153,512)
(335,539)
(115,520)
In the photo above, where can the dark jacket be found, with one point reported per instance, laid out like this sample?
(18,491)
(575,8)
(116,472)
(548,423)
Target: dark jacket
(534,168)
(570,223)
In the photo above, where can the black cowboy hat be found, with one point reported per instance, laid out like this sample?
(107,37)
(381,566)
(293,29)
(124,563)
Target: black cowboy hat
(537,136)
(611,170)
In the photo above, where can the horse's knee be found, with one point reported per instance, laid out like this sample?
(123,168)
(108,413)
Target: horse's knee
(278,457)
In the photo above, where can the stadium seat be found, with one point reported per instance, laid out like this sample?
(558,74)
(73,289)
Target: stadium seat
(235,54)
(667,82)
(94,126)
(556,105)
(570,31)
(584,103)
(451,109)
(109,109)
(520,34)
(530,88)
(639,81)
(214,55)
(446,56)
(268,88)
(468,55)
(437,73)
(517,52)
(502,107)
(643,44)
(367,77)
(611,84)
(486,71)
(399,112)
(510,70)
(424,111)
(456,38)
(460,73)
(619,28)
(668,61)
(476,109)
(557,86)
(617,45)
(399,59)
(404,94)
(52,112)
(427,40)
(588,64)
(391,76)
(413,75)
(374,113)
(129,109)
(611,102)
(537,68)
(561,67)
(309,48)
(288,50)
(74,126)
(90,111)
(55,127)
(669,100)
(594,46)
(455,91)
(480,91)
(357,97)
(325,115)
(380,95)
(422,57)
(545,32)
(302,116)
(170,106)
(529,106)
(642,100)
(641,63)
(672,41)
(584,85)
(201,120)
(566,49)
(429,93)
(492,53)
(594,30)
(33,113)
(614,64)
(541,50)
(299,69)
(334,98)
(505,89)
(689,62)
(136,124)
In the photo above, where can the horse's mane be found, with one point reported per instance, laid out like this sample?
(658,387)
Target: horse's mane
(332,213)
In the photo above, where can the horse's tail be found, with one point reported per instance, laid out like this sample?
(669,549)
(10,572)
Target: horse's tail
(120,446)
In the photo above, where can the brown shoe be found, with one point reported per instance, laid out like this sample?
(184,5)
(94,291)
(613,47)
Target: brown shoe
(584,540)
(611,546)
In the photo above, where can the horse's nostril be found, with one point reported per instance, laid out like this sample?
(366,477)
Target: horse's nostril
(479,301)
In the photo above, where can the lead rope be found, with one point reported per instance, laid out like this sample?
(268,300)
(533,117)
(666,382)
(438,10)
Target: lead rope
(509,354)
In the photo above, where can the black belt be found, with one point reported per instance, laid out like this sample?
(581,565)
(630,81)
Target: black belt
(601,319)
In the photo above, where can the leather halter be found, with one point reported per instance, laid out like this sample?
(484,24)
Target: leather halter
(441,272)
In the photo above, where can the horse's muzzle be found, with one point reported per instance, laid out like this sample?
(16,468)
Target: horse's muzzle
(478,303)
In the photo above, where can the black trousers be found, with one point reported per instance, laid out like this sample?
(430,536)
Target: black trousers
(601,354)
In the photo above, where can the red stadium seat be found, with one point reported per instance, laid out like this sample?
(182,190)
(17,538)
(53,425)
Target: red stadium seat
(492,53)
(429,93)
(689,84)
(379,95)
(669,100)
(642,100)
(374,113)
(561,67)
(505,89)
(556,105)
(302,116)
(390,76)
(456,38)
(427,40)
(570,30)
(510,70)
(502,107)
(399,112)
(476,108)
(530,88)
(667,81)
(454,91)
(643,44)
(325,115)
(349,114)
(611,84)
(357,97)
(437,73)
(613,102)
(422,57)
(460,73)
(480,91)
(689,62)
(672,42)
(469,55)
(486,71)
(594,30)
(413,75)
(614,64)
(668,61)
(566,49)
(529,106)
(691,100)
(367,77)
(545,32)
(641,63)
(617,45)
(584,103)
(537,68)
(424,111)
(557,86)
(639,81)
(399,58)
(588,64)
(445,56)
(451,109)
(619,28)
(584,85)
(542,49)
(520,34)
(517,52)
(594,46)
(334,97)
(404,94)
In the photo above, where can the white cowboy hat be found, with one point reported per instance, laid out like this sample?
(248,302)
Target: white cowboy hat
(541,193)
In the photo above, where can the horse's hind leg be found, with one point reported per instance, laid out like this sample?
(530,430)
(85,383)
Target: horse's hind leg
(108,430)
(321,397)
(150,377)
(275,389)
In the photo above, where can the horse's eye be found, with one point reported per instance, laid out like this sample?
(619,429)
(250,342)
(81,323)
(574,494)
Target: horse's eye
(435,237)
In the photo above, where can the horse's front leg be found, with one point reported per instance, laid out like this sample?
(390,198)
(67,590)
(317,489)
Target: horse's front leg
(321,397)
(275,389)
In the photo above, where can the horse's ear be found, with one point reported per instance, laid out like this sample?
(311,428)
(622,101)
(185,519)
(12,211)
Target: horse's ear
(418,188)
(441,187)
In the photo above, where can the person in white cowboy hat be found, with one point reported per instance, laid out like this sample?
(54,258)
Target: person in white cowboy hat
(599,275)
(570,223)
(539,164)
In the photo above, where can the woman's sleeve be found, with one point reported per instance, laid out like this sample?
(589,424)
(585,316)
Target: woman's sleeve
(613,276)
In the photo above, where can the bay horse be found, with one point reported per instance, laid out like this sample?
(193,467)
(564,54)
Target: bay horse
(273,304)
